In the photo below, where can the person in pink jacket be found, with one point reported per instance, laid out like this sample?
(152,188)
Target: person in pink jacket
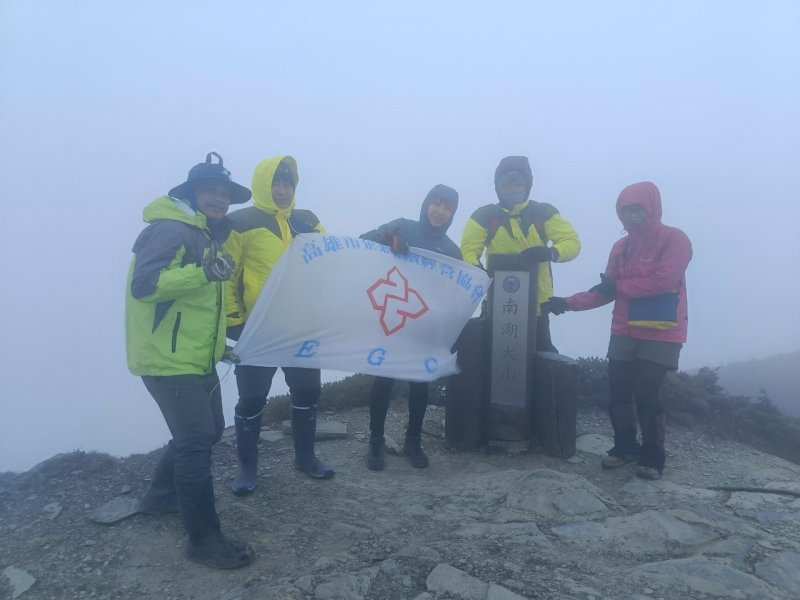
(646,280)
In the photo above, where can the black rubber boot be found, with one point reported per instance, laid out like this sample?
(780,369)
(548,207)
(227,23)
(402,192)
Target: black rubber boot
(247,432)
(162,498)
(414,452)
(304,428)
(376,456)
(219,552)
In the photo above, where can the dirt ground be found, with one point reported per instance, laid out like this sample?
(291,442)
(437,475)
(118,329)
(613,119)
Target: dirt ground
(502,524)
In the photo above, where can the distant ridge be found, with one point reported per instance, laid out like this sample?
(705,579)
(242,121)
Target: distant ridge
(778,376)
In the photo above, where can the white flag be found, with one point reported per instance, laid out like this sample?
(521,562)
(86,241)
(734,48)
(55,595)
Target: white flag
(352,305)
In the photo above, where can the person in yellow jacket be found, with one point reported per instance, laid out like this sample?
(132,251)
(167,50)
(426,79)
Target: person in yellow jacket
(518,225)
(259,237)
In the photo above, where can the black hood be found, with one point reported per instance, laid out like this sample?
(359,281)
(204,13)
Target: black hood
(519,164)
(441,192)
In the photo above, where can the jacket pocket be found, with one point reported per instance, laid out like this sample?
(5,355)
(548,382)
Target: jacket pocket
(175,329)
(654,312)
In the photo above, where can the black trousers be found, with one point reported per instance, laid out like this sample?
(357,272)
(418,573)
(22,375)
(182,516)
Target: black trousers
(544,342)
(254,384)
(381,395)
(192,407)
(635,395)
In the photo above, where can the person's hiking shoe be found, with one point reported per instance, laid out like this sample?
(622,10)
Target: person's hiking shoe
(376,460)
(414,452)
(614,461)
(314,468)
(218,552)
(649,473)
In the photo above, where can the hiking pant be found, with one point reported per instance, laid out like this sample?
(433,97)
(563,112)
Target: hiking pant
(544,342)
(254,384)
(192,407)
(635,390)
(380,396)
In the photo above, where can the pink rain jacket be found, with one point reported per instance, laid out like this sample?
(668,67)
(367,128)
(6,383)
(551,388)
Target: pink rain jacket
(649,261)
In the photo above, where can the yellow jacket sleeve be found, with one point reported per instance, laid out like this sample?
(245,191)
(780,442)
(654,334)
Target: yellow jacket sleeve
(235,246)
(564,237)
(473,242)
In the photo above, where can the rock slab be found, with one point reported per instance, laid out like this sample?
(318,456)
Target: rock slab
(446,579)
(703,576)
(19,580)
(782,571)
(115,510)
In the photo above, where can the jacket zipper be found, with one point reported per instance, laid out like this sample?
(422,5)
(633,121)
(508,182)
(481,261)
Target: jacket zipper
(212,363)
(175,329)
(219,284)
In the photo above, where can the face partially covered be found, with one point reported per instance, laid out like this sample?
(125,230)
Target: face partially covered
(512,189)
(633,216)
(212,199)
(440,213)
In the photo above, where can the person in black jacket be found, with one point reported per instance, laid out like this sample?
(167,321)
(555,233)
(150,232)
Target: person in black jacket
(430,233)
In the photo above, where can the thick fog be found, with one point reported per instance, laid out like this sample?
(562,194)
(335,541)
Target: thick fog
(104,108)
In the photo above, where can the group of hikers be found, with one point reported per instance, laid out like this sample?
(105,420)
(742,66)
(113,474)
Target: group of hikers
(197,272)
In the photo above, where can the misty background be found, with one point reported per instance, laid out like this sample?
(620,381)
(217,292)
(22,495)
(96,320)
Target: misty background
(105,106)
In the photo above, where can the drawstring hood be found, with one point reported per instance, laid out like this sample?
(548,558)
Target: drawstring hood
(646,195)
(262,184)
(447,195)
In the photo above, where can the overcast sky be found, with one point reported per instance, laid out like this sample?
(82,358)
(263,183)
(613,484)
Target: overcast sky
(104,108)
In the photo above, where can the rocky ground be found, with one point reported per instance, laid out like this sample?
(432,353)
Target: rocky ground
(500,525)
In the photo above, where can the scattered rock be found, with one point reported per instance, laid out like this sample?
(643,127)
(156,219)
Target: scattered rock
(652,532)
(115,510)
(331,430)
(746,501)
(783,571)
(52,510)
(734,548)
(347,530)
(391,445)
(446,579)
(326,430)
(125,489)
(518,533)
(305,584)
(703,576)
(658,493)
(229,436)
(552,494)
(390,567)
(497,592)
(593,443)
(19,580)
(271,436)
(344,587)
(420,553)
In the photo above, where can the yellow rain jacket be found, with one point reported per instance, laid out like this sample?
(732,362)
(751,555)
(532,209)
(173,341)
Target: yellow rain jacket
(497,230)
(259,237)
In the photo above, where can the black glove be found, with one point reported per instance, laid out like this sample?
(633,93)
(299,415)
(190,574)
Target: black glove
(230,356)
(556,306)
(537,254)
(234,331)
(398,243)
(218,267)
(607,287)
